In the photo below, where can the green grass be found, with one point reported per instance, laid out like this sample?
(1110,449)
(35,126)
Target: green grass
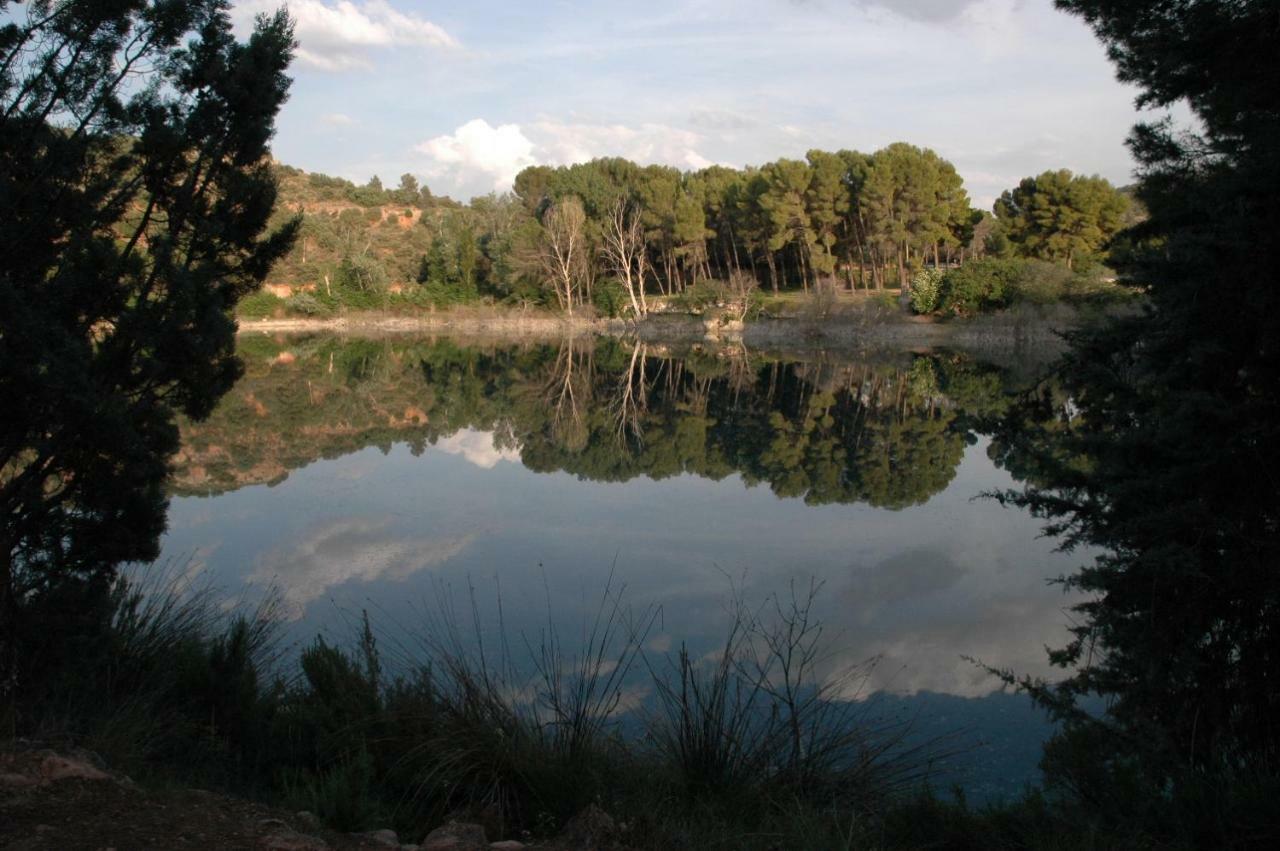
(260,305)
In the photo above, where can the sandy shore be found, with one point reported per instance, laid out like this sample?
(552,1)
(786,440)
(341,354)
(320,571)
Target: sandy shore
(1035,333)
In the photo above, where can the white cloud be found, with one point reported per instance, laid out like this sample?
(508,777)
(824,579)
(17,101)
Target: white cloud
(921,611)
(337,119)
(352,549)
(478,152)
(477,447)
(922,10)
(336,36)
(478,157)
(994,27)
(563,144)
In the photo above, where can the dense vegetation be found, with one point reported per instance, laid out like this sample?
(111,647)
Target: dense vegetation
(135,194)
(1158,461)
(626,239)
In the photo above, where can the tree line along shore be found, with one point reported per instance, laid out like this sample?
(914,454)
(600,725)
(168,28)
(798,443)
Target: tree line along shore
(613,238)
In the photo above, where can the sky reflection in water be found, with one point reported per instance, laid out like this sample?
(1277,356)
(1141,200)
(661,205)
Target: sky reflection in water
(921,587)
(386,526)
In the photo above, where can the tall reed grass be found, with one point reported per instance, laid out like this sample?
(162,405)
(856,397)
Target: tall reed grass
(762,740)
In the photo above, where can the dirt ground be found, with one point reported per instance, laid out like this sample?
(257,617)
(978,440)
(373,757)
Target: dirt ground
(52,801)
(66,803)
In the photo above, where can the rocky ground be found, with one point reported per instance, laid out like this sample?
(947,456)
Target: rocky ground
(70,801)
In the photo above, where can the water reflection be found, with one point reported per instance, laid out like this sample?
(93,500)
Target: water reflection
(933,576)
(888,434)
(369,473)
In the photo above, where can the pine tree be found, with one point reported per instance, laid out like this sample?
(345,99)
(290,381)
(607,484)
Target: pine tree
(135,189)
(1165,457)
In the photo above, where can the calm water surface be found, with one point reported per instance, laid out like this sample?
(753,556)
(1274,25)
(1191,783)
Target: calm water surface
(381,474)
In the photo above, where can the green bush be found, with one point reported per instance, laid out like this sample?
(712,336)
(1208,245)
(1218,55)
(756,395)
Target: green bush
(926,290)
(886,300)
(306,304)
(361,274)
(996,283)
(1042,282)
(699,297)
(259,305)
(980,285)
(443,293)
(610,297)
(342,795)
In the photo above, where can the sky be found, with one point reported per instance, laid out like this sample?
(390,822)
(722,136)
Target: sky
(464,95)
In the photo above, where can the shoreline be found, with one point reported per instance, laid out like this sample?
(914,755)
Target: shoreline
(1019,333)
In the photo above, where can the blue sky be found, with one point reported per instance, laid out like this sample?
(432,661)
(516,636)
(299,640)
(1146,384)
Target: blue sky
(463,95)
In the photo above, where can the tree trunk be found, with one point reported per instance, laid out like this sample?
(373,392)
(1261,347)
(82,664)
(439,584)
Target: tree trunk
(8,645)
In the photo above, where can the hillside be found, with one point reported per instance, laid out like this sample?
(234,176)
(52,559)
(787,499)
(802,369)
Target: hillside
(392,227)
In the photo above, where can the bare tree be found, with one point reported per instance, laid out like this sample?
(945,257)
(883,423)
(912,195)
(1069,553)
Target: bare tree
(631,401)
(567,393)
(562,254)
(738,292)
(624,251)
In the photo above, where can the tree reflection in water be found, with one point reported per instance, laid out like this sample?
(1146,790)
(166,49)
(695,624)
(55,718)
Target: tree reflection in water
(886,431)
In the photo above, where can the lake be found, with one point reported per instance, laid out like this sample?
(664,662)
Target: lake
(384,475)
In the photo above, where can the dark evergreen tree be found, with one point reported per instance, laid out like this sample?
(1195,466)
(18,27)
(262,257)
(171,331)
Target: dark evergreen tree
(1166,456)
(135,189)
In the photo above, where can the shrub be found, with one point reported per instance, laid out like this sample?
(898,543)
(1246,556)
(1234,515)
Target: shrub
(259,305)
(926,290)
(1042,282)
(980,285)
(819,304)
(761,740)
(995,283)
(361,274)
(698,297)
(610,297)
(769,720)
(739,295)
(151,673)
(742,293)
(306,304)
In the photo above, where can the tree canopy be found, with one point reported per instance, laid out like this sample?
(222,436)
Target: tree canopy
(1061,216)
(135,192)
(1161,453)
